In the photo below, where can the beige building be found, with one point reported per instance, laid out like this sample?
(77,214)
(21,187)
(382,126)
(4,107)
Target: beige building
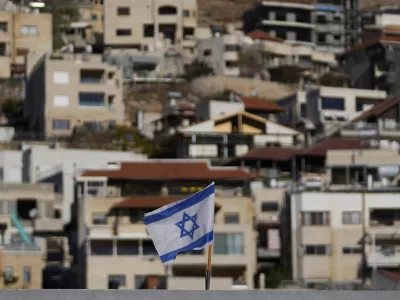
(113,211)
(145,23)
(92,12)
(26,213)
(70,90)
(22,33)
(355,213)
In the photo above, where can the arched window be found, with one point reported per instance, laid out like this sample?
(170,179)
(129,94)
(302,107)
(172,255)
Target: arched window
(167,10)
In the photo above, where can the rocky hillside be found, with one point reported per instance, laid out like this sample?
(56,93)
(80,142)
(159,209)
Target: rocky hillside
(223,11)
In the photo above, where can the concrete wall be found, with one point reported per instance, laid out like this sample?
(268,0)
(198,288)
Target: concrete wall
(11,163)
(197,295)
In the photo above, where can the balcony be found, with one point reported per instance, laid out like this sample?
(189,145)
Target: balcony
(384,256)
(381,129)
(21,247)
(285,23)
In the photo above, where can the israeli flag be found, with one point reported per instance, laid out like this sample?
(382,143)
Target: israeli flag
(182,226)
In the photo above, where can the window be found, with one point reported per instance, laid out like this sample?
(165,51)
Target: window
(337,37)
(91,99)
(61,101)
(94,17)
(29,30)
(186,13)
(101,247)
(148,248)
(167,10)
(148,30)
(127,247)
(99,219)
(352,250)
(61,77)
(321,19)
(8,273)
(60,124)
(207,52)
(3,26)
(351,217)
(269,206)
(317,250)
(3,49)
(315,218)
(332,103)
(123,11)
(1,174)
(229,243)
(231,64)
(116,281)
(92,76)
(231,218)
(321,37)
(123,32)
(27,275)
(233,48)
(188,31)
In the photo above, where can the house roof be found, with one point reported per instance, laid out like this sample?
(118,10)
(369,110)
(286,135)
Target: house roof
(361,46)
(257,103)
(170,170)
(263,36)
(154,201)
(320,149)
(378,109)
(395,276)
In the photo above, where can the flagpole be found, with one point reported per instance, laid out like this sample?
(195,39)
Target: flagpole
(208,272)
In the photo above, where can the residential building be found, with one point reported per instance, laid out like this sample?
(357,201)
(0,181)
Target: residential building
(375,22)
(330,26)
(374,64)
(92,12)
(144,24)
(22,33)
(280,58)
(221,53)
(292,21)
(380,123)
(281,166)
(224,137)
(66,91)
(271,219)
(26,214)
(349,228)
(324,109)
(111,203)
(79,37)
(59,167)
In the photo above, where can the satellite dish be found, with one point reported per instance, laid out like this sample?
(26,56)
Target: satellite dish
(33,213)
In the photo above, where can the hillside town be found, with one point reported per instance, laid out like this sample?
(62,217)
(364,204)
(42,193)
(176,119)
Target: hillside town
(112,109)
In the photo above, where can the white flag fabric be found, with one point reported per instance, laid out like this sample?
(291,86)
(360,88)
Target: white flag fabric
(183,225)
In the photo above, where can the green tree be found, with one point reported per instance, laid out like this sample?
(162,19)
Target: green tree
(64,12)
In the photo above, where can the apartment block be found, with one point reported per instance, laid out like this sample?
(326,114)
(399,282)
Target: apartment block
(291,21)
(355,214)
(92,12)
(65,91)
(327,108)
(22,33)
(52,165)
(279,56)
(145,24)
(24,210)
(330,26)
(221,54)
(119,253)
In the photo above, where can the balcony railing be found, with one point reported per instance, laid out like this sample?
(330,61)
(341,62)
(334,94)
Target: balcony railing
(20,247)
(385,256)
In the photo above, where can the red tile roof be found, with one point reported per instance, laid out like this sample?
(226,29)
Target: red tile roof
(256,103)
(263,36)
(378,109)
(155,201)
(271,153)
(395,276)
(172,170)
(334,143)
(320,149)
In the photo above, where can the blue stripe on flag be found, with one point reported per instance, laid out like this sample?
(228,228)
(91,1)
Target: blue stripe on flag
(192,200)
(201,242)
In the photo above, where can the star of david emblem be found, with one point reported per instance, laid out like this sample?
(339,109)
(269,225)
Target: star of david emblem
(181,224)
